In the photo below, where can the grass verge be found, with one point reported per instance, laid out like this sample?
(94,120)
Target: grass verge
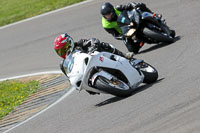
(16,10)
(13,93)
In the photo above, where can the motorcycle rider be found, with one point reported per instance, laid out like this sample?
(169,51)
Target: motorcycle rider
(64,43)
(109,22)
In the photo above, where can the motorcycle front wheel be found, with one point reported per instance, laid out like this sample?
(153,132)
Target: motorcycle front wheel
(114,88)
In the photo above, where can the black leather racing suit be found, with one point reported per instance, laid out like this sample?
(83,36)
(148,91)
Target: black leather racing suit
(86,45)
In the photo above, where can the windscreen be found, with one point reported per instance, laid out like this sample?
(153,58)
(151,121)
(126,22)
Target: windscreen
(68,63)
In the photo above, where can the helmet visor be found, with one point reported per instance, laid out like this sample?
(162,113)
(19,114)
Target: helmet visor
(63,50)
(108,16)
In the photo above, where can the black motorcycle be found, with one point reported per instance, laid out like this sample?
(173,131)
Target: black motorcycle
(144,27)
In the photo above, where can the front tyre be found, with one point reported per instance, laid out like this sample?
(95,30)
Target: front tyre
(149,72)
(116,88)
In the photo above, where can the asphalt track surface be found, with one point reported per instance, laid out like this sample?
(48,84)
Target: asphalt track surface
(170,105)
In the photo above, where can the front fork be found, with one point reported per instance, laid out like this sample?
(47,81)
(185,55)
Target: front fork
(134,63)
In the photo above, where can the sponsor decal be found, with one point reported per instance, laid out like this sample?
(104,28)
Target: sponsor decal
(101,58)
(123,20)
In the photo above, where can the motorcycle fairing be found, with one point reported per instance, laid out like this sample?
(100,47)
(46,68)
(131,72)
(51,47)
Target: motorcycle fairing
(120,63)
(77,70)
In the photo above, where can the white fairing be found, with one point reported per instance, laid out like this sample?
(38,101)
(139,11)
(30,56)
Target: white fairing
(78,69)
(82,62)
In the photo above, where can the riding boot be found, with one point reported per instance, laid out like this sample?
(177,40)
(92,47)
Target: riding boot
(143,7)
(109,48)
(158,15)
(128,55)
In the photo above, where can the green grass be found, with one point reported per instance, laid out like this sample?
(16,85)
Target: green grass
(13,93)
(16,10)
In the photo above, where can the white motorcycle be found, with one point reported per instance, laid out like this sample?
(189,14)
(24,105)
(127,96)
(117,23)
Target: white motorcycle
(103,72)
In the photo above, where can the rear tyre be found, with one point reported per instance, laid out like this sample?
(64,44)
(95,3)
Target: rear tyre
(156,35)
(149,72)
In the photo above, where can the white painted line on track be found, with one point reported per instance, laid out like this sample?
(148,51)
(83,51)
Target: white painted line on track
(32,74)
(51,12)
(60,99)
(68,93)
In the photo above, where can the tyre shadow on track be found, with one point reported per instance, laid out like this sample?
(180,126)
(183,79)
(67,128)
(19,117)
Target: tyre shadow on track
(116,99)
(156,46)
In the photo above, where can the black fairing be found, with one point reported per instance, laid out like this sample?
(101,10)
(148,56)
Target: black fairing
(125,18)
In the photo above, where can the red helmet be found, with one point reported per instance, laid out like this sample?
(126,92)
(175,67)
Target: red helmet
(63,44)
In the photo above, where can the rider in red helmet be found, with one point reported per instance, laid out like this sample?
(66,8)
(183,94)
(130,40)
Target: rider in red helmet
(64,44)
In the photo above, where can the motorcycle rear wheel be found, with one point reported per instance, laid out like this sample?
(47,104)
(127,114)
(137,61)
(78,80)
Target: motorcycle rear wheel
(156,35)
(149,72)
